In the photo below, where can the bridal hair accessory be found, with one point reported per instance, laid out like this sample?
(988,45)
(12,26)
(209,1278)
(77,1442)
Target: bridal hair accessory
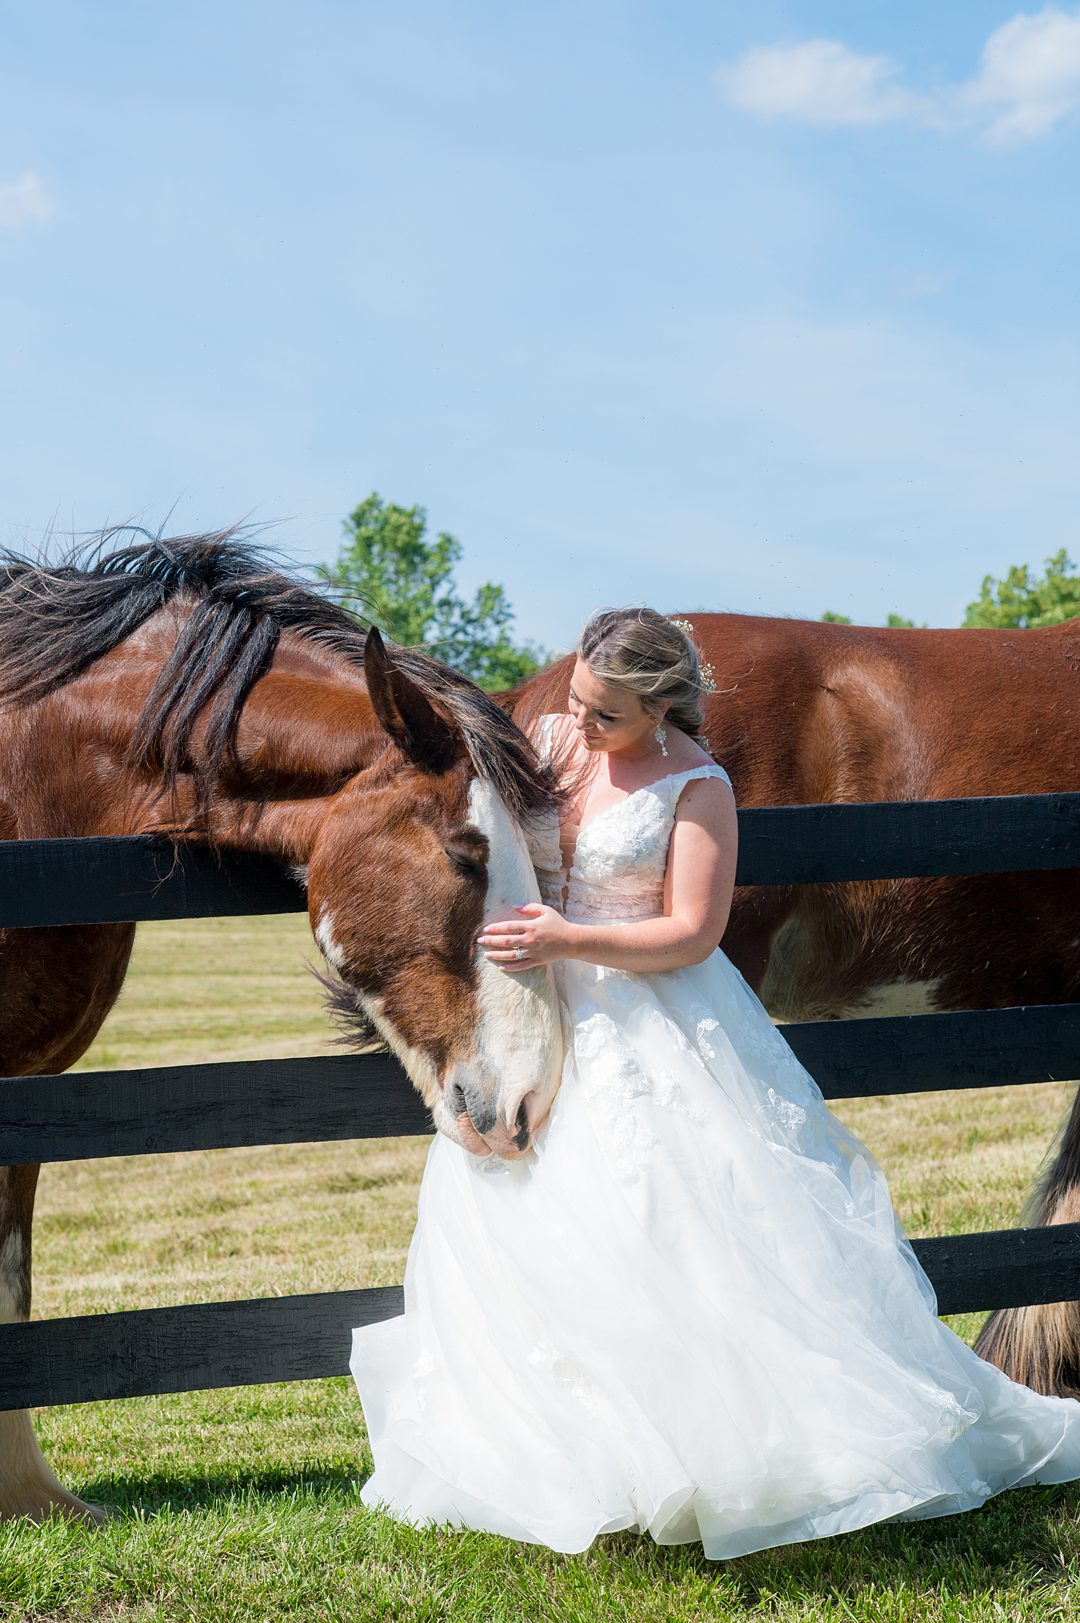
(708,679)
(660,734)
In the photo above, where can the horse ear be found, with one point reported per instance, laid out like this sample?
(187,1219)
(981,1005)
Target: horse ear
(405,712)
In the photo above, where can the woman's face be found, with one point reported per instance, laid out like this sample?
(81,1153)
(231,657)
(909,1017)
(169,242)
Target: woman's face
(606,717)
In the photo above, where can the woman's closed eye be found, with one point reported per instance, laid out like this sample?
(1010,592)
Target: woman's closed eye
(601,715)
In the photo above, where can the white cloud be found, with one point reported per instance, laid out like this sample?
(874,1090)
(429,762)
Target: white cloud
(821,82)
(1029,75)
(1028,80)
(24,201)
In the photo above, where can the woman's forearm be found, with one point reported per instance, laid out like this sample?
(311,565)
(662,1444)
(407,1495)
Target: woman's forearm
(645,947)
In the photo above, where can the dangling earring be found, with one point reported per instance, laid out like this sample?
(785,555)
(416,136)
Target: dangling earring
(660,735)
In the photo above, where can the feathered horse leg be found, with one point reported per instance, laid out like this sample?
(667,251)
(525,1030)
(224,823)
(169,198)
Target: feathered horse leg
(27,1486)
(1040,1345)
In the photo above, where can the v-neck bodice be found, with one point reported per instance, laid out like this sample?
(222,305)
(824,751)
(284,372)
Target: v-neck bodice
(617,866)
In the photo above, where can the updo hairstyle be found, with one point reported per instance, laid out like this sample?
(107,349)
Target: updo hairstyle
(650,655)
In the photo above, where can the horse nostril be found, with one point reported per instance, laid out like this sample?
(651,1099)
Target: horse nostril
(521,1137)
(467,1100)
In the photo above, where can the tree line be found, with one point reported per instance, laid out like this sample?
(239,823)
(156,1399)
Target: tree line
(389,570)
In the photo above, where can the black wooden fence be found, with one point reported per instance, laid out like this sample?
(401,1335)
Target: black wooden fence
(195,1107)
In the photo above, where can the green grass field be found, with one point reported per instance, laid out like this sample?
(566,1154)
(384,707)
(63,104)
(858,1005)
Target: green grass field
(244,1504)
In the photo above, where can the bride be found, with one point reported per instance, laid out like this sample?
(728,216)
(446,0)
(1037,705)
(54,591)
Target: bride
(690,1309)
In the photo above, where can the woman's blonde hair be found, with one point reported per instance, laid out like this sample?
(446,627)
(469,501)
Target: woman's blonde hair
(652,656)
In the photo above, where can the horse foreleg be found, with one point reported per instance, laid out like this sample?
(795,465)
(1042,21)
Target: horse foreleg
(1040,1346)
(27,1486)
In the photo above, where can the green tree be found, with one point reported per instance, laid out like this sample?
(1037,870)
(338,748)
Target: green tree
(897,620)
(1025,600)
(388,570)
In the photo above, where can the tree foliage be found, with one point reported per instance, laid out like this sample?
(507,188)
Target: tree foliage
(897,620)
(1024,599)
(389,570)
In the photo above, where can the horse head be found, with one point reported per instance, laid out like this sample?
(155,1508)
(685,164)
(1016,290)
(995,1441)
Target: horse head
(417,853)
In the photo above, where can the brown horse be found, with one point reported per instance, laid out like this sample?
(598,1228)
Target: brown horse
(186,688)
(810,712)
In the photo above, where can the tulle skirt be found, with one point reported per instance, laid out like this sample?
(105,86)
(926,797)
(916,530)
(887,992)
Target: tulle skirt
(691,1310)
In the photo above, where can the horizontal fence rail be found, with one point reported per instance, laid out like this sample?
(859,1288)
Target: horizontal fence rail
(294,1338)
(130,879)
(81,1116)
(101,881)
(45,883)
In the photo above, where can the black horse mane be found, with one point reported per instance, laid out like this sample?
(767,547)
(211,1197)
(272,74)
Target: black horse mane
(57,618)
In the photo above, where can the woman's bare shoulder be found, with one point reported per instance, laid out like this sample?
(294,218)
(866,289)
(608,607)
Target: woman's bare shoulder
(708,800)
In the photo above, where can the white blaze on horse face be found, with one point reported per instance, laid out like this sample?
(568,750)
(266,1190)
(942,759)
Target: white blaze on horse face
(418,1067)
(517,1044)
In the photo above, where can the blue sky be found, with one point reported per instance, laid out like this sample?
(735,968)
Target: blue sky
(769,308)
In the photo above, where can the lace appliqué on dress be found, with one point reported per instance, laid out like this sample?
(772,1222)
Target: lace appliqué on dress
(792,1115)
(704,1026)
(563,1369)
(423,1365)
(669,1096)
(615,1084)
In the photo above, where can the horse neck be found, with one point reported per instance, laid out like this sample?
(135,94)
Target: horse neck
(306,728)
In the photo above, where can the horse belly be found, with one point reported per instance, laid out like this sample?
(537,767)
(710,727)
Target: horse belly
(810,976)
(56,988)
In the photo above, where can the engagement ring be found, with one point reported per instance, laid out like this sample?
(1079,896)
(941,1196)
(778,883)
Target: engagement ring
(519,952)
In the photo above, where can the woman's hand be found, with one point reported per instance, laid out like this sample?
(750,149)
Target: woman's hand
(538,935)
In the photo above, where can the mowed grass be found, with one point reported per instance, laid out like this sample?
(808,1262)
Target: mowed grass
(244,1503)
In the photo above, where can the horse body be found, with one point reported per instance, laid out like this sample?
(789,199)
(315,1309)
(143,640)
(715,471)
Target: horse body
(179,688)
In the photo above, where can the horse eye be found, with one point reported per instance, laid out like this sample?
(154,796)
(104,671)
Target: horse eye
(466,858)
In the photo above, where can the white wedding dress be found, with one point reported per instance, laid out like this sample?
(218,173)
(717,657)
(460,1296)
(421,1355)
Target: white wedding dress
(691,1308)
